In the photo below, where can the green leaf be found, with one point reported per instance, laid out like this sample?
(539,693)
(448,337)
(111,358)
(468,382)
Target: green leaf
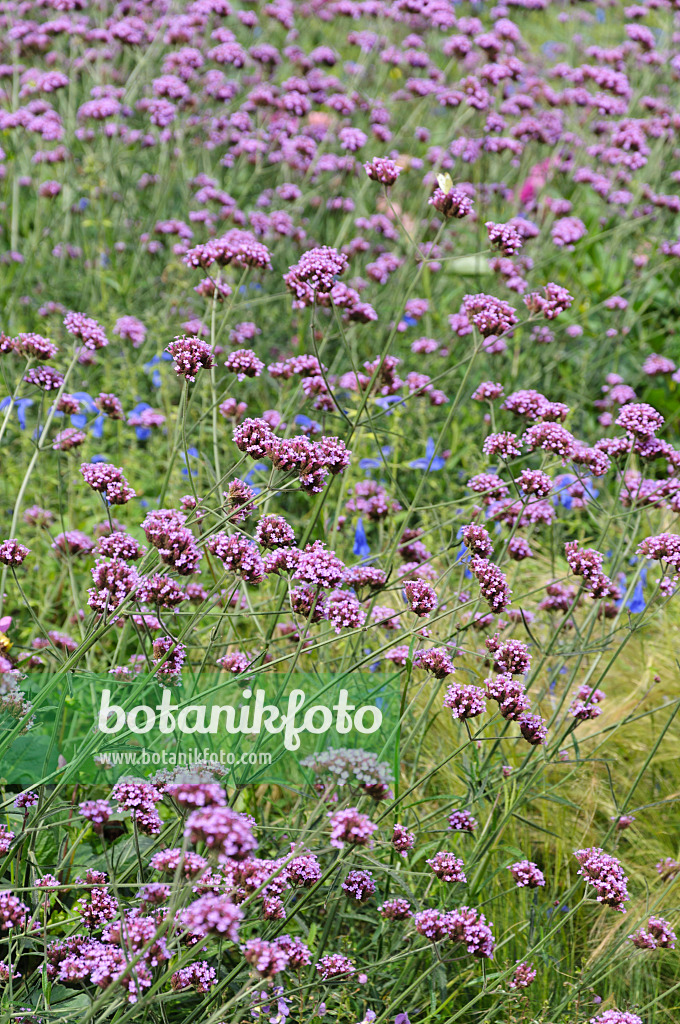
(27,758)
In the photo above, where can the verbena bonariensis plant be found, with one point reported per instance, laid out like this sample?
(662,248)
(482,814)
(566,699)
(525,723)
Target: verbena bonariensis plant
(235,236)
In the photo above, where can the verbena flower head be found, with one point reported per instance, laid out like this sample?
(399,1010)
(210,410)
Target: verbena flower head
(267,958)
(359,885)
(464,701)
(244,363)
(533,728)
(554,301)
(13,553)
(351,767)
(454,203)
(462,821)
(221,829)
(656,934)
(527,874)
(312,278)
(604,873)
(524,975)
(213,915)
(491,316)
(168,656)
(86,329)
(175,542)
(398,909)
(493,584)
(190,354)
(421,596)
(334,965)
(238,248)
(447,867)
(477,540)
(199,976)
(351,827)
(382,169)
(13,913)
(109,481)
(436,660)
(471,928)
(616,1017)
(97,812)
(504,237)
(299,955)
(402,839)
(640,420)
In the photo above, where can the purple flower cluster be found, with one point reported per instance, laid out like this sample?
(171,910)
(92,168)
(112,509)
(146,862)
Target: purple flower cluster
(109,481)
(421,596)
(190,354)
(359,885)
(221,829)
(464,925)
(527,874)
(351,827)
(606,875)
(313,277)
(464,701)
(524,975)
(13,553)
(656,934)
(447,867)
(382,169)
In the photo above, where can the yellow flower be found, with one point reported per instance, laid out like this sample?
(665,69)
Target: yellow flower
(5,642)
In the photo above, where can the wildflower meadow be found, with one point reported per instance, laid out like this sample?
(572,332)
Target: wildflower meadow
(339,499)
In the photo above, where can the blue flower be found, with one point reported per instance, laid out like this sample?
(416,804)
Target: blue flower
(637,602)
(143,433)
(164,357)
(248,478)
(21,405)
(305,421)
(361,548)
(464,556)
(384,402)
(99,458)
(192,453)
(385,451)
(562,482)
(86,400)
(98,425)
(431,461)
(79,419)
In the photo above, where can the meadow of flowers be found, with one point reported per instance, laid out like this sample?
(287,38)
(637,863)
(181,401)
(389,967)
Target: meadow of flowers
(338,341)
